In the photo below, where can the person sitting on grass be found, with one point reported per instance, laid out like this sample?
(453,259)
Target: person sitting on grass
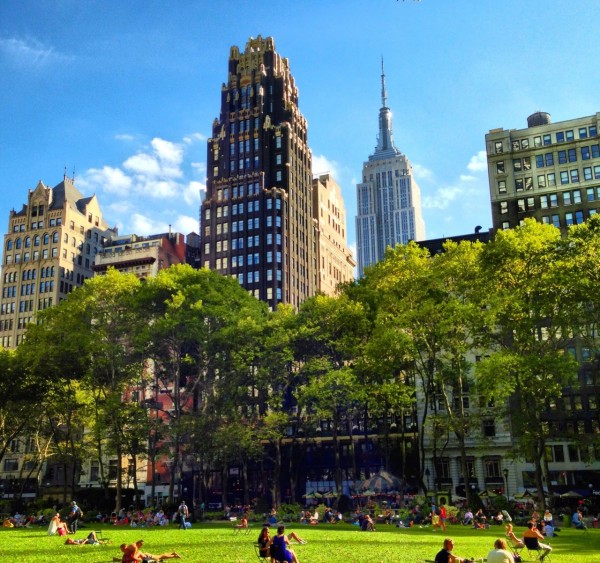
(243,524)
(132,554)
(91,539)
(500,553)
(577,520)
(445,555)
(279,547)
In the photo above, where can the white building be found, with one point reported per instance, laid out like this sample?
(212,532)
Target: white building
(389,199)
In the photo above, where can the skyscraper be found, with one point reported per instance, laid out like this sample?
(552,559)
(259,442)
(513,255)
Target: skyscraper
(389,199)
(49,249)
(256,218)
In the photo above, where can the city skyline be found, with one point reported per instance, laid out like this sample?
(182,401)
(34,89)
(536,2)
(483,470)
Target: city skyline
(125,97)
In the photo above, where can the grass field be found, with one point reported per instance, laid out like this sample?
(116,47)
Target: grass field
(209,542)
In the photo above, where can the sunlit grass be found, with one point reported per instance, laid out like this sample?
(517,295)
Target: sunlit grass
(209,542)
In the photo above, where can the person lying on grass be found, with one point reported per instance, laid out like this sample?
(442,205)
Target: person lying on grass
(91,539)
(132,554)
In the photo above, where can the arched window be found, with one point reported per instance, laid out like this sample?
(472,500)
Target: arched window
(46,238)
(27,242)
(9,244)
(36,240)
(18,243)
(54,236)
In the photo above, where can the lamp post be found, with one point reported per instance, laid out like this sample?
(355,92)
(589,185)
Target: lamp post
(505,473)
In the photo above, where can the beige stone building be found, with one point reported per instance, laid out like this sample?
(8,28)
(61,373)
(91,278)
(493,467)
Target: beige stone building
(335,261)
(548,171)
(49,249)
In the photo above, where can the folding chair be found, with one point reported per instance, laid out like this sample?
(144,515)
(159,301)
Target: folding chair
(534,548)
(515,547)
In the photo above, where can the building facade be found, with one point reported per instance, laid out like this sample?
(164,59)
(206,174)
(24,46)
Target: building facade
(49,249)
(335,261)
(389,199)
(548,171)
(256,218)
(142,256)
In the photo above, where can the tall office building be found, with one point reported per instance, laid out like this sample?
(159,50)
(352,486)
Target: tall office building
(335,261)
(548,171)
(389,199)
(256,218)
(49,249)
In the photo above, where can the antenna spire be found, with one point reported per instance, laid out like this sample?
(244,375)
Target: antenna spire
(383,92)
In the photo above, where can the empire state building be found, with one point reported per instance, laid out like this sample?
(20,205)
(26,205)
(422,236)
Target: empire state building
(389,199)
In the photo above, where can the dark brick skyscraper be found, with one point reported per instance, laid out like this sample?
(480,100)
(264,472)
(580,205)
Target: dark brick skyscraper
(256,219)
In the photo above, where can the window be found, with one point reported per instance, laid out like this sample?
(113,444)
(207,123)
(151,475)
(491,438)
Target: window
(576,196)
(517,164)
(547,139)
(526,163)
(521,205)
(539,161)
(541,180)
(574,175)
(564,177)
(585,153)
(556,221)
(568,219)
(560,136)
(587,173)
(524,143)
(11,465)
(492,468)
(503,207)
(501,187)
(489,427)
(551,179)
(569,135)
(549,157)
(499,167)
(519,184)
(537,141)
(562,157)
(572,154)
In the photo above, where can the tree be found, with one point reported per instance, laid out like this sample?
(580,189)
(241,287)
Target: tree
(429,313)
(85,344)
(532,307)
(331,333)
(199,324)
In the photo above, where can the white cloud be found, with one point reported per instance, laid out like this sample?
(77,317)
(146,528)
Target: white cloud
(142,225)
(108,179)
(194,138)
(321,165)
(124,137)
(143,164)
(185,224)
(167,152)
(30,52)
(422,173)
(191,194)
(467,178)
(478,162)
(199,167)
(442,198)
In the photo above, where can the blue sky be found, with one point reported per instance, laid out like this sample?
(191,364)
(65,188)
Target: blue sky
(124,93)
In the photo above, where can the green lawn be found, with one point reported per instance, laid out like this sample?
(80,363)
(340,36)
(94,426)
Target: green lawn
(208,542)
